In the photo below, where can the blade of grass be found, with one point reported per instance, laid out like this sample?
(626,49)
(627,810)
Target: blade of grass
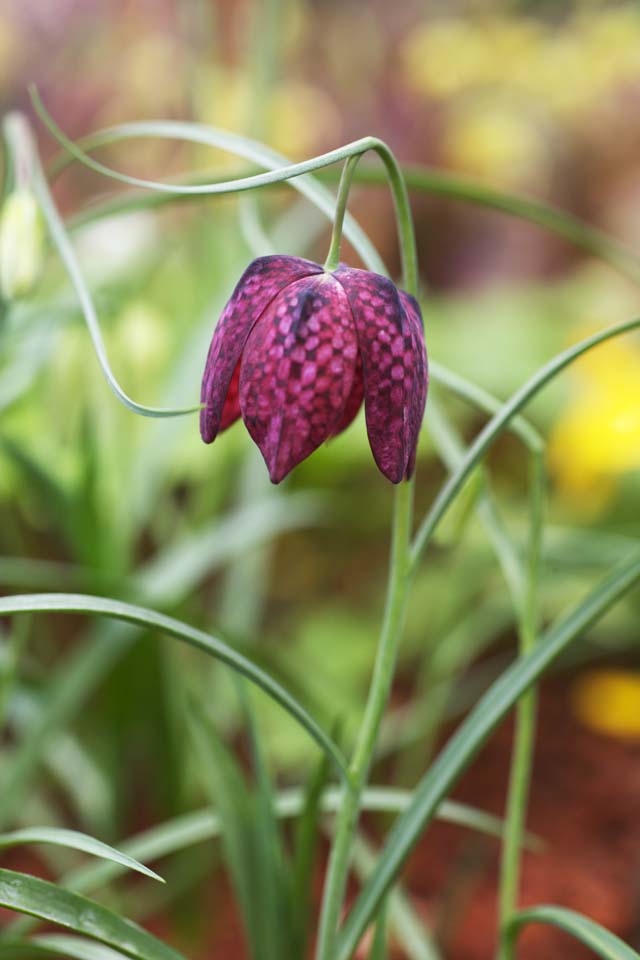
(418,178)
(379,944)
(58,945)
(498,423)
(269,859)
(224,782)
(601,941)
(305,849)
(16,130)
(411,933)
(45,900)
(150,619)
(468,739)
(74,841)
(279,169)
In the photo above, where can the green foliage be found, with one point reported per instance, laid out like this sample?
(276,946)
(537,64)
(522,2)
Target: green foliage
(97,503)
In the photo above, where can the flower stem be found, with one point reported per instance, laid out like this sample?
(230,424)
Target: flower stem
(338,868)
(523,746)
(333,257)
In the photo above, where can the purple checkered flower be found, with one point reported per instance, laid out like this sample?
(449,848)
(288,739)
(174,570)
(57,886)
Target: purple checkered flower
(297,349)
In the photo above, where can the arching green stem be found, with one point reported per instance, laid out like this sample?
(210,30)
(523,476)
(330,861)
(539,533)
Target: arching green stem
(333,257)
(202,134)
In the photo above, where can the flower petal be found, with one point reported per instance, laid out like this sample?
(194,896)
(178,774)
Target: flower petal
(260,283)
(354,400)
(297,372)
(231,408)
(420,374)
(391,346)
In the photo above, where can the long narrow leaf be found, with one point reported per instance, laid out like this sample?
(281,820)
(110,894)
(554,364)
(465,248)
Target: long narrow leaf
(58,945)
(45,900)
(16,131)
(601,941)
(468,739)
(498,423)
(279,167)
(74,841)
(150,619)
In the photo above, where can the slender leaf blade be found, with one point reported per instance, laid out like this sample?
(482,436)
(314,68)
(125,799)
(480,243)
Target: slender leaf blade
(597,938)
(45,900)
(74,840)
(466,742)
(150,619)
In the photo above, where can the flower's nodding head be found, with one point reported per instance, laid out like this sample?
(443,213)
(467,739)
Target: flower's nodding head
(296,350)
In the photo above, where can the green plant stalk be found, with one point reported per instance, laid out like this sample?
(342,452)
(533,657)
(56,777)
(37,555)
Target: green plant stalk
(12,654)
(525,721)
(333,257)
(426,180)
(397,586)
(347,819)
(200,133)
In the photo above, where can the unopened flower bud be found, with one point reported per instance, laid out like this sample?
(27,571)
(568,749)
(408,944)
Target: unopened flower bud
(21,243)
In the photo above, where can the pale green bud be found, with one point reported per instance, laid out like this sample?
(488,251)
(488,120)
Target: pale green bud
(21,243)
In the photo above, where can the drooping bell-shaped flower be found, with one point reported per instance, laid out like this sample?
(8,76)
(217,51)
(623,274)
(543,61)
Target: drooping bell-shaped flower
(297,349)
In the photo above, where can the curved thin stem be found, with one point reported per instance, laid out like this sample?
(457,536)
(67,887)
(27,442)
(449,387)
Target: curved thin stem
(437,183)
(378,695)
(333,257)
(17,133)
(495,426)
(202,134)
(525,722)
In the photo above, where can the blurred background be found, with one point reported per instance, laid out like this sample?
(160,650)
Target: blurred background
(539,98)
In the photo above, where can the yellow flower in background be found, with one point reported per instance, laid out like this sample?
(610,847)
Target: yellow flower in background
(596,438)
(299,116)
(608,701)
(444,57)
(562,69)
(496,140)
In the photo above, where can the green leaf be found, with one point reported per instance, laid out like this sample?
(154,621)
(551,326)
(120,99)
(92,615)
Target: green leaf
(45,900)
(269,856)
(16,130)
(601,941)
(72,683)
(224,782)
(75,841)
(468,739)
(379,944)
(305,846)
(58,945)
(150,619)
(497,424)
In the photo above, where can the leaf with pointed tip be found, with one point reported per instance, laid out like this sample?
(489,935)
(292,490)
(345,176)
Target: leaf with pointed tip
(45,900)
(75,841)
(150,619)
(601,941)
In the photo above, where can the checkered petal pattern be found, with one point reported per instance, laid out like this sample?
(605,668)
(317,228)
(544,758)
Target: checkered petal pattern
(297,349)
(259,284)
(394,370)
(297,372)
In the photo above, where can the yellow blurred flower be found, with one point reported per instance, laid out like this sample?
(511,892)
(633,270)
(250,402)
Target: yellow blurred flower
(563,69)
(299,117)
(597,436)
(608,701)
(446,56)
(496,140)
